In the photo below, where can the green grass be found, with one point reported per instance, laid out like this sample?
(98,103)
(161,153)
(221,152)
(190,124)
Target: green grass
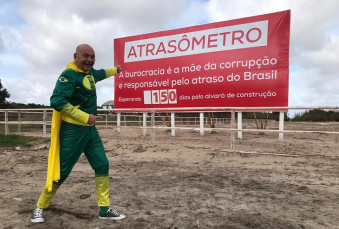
(13,140)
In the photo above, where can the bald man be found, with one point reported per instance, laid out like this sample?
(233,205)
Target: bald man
(74,96)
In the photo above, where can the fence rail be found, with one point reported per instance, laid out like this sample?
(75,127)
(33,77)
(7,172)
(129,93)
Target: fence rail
(44,117)
(141,117)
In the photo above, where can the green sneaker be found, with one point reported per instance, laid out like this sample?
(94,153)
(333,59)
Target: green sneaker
(111,214)
(37,215)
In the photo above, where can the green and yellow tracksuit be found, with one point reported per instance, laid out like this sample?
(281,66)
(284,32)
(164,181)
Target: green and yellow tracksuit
(73,99)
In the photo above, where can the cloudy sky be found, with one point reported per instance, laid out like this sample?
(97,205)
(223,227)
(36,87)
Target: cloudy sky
(38,39)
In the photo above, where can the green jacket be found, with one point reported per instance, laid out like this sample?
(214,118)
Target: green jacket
(74,95)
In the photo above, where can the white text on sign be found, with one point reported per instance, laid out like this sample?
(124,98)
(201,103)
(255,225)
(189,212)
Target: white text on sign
(166,96)
(218,39)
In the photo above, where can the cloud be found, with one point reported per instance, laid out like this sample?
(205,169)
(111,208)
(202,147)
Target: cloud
(8,14)
(2,46)
(38,39)
(26,92)
(53,29)
(310,19)
(314,45)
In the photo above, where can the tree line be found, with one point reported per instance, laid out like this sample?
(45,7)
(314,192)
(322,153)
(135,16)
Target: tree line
(317,115)
(4,94)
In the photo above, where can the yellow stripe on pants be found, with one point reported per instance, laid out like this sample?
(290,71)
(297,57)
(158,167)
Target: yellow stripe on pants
(102,186)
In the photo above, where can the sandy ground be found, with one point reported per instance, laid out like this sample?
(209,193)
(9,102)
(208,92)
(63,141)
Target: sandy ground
(187,181)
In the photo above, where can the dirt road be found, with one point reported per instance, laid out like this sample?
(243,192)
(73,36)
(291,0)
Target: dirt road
(187,181)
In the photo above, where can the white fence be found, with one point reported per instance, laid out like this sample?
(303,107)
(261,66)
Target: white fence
(146,119)
(44,118)
(14,117)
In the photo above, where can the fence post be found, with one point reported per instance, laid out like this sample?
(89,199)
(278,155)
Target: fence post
(144,123)
(202,123)
(19,120)
(118,121)
(232,127)
(6,123)
(173,124)
(44,117)
(153,126)
(281,125)
(240,125)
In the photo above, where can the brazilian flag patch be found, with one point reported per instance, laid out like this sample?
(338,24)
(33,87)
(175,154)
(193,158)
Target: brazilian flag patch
(63,79)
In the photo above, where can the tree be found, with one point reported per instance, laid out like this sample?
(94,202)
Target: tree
(3,96)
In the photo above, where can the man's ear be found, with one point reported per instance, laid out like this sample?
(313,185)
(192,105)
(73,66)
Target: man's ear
(75,56)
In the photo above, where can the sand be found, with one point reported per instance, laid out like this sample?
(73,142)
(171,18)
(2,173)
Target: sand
(187,181)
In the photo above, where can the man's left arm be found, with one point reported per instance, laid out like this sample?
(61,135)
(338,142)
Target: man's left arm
(113,71)
(110,72)
(106,73)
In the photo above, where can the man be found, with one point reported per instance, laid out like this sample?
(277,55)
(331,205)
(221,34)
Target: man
(74,96)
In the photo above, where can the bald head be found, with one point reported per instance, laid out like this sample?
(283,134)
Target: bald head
(83,47)
(84,57)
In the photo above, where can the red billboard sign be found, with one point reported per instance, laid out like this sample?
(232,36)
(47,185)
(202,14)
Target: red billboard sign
(237,63)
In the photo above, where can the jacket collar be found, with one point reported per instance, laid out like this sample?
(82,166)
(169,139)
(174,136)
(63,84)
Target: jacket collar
(71,65)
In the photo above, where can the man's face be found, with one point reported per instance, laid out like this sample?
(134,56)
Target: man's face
(84,58)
